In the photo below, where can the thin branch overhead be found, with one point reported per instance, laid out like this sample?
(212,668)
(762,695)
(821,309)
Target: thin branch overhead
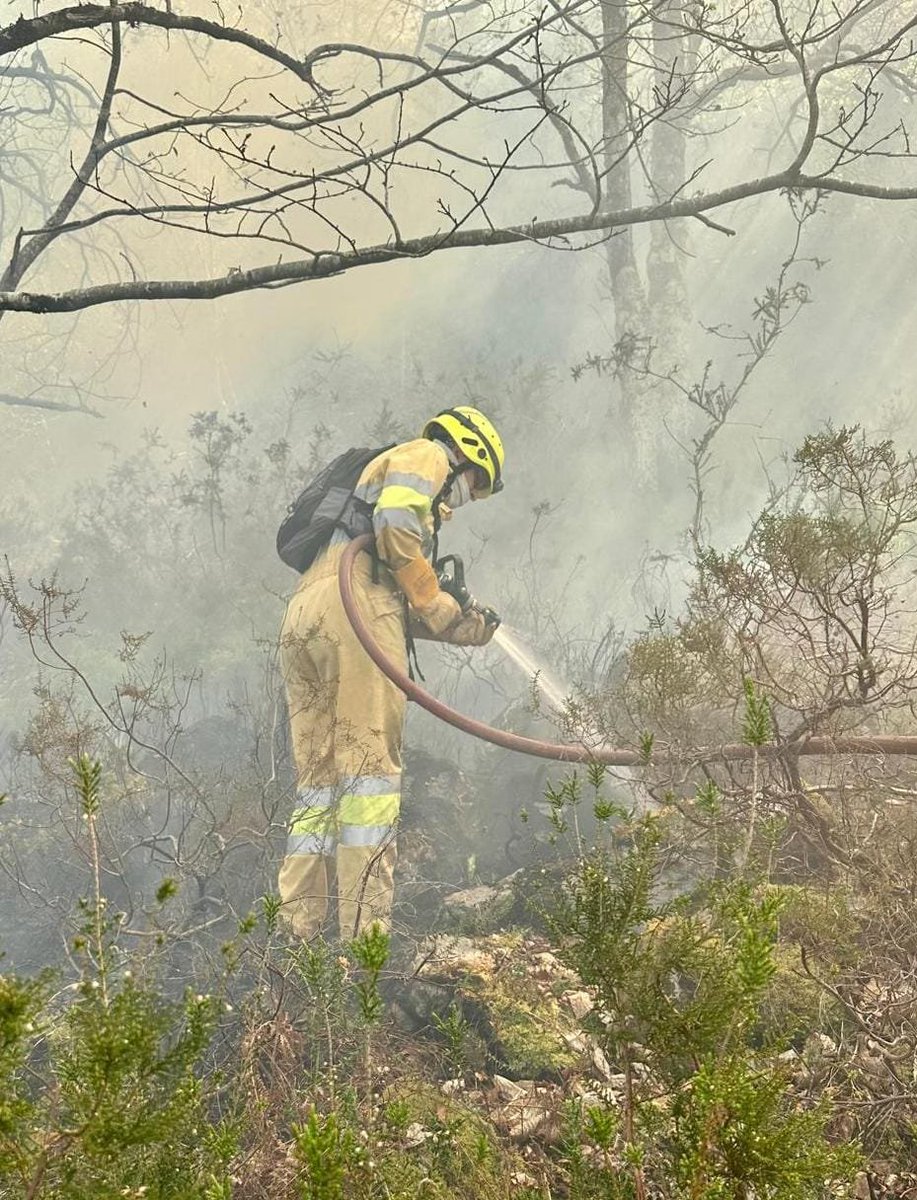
(481,127)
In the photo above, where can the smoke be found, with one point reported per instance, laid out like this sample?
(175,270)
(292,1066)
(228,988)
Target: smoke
(576,544)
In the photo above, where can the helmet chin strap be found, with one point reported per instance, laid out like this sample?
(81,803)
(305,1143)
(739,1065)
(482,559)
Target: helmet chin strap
(457,466)
(443,492)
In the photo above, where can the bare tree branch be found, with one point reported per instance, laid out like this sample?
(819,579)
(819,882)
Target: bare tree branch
(259,168)
(47,405)
(325,265)
(29,32)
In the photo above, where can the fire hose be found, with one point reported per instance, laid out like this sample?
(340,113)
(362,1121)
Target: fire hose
(881,744)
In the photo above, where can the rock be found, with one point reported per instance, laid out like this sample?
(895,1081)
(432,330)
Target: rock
(473,897)
(516,1021)
(820,1045)
(577,1042)
(546,961)
(415,1135)
(522,1180)
(509,1089)
(517,1024)
(861,1188)
(524,1119)
(455,955)
(450,1086)
(601,1063)
(579,1003)
(546,965)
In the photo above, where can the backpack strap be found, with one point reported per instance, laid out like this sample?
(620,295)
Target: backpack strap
(411,646)
(438,499)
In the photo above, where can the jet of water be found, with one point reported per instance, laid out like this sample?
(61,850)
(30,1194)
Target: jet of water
(525,658)
(555,692)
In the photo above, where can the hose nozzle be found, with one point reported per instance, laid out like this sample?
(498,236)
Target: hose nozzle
(491,618)
(450,571)
(453,581)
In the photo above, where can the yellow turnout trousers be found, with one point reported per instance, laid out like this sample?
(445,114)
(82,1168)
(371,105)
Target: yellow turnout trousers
(346,721)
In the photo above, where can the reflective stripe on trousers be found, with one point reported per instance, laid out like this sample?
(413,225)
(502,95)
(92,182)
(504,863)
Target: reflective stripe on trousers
(362,812)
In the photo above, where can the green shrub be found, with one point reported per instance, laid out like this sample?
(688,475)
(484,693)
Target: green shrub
(682,992)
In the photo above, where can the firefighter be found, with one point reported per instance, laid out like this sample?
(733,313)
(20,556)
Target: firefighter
(346,716)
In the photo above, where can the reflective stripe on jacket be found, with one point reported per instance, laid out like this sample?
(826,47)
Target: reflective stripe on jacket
(401,485)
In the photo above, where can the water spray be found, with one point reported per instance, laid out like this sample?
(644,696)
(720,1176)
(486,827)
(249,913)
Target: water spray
(881,744)
(515,649)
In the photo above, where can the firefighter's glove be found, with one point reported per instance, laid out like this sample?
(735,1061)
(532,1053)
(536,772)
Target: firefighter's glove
(441,616)
(437,609)
(472,629)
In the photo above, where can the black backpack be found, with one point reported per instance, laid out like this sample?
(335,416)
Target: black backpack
(325,504)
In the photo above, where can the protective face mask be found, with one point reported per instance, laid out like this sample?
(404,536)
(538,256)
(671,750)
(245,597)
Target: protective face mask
(460,492)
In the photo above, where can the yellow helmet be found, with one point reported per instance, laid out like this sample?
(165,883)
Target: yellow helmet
(476,438)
